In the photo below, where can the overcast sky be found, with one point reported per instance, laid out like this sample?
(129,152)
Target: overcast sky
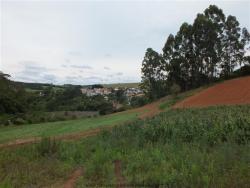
(84,42)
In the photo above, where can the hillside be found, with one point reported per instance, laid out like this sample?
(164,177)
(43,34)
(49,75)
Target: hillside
(176,148)
(78,128)
(231,92)
(122,85)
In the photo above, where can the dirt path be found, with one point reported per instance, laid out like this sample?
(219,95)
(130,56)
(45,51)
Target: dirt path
(70,183)
(146,111)
(120,180)
(72,136)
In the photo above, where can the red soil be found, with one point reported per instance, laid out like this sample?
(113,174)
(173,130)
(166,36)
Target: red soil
(120,180)
(70,183)
(231,92)
(150,110)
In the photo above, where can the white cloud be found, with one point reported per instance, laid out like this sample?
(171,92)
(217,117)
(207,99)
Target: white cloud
(60,34)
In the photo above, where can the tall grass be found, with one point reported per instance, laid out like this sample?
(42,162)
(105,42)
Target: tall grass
(178,148)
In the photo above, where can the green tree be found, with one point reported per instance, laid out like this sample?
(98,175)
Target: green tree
(153,75)
(245,40)
(13,98)
(183,57)
(233,52)
(175,89)
(216,22)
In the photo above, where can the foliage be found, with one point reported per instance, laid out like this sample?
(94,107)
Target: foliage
(24,167)
(153,77)
(178,148)
(13,98)
(119,96)
(138,101)
(18,106)
(194,147)
(38,117)
(200,53)
(175,89)
(242,71)
(97,86)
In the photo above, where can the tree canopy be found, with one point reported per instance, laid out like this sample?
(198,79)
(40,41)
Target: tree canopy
(200,53)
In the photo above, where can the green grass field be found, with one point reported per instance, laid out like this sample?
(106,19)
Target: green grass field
(207,147)
(63,127)
(51,129)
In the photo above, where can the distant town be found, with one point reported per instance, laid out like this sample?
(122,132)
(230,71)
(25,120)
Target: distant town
(129,92)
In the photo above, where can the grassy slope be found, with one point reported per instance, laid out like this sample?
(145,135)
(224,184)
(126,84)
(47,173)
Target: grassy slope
(74,126)
(197,147)
(177,148)
(63,127)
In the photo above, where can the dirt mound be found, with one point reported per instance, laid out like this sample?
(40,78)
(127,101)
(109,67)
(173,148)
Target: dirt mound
(231,92)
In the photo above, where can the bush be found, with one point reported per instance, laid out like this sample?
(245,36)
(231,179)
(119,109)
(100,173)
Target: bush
(7,122)
(138,101)
(42,119)
(19,121)
(175,89)
(73,116)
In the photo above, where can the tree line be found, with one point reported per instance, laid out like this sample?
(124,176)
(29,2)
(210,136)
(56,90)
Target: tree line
(12,96)
(208,50)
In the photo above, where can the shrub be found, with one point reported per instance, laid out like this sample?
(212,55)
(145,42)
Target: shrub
(175,89)
(7,122)
(74,116)
(19,121)
(42,119)
(138,101)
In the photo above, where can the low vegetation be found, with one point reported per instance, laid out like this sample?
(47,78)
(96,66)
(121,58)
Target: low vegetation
(11,133)
(196,147)
(174,98)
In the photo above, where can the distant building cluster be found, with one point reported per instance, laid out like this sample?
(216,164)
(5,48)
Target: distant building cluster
(131,92)
(96,91)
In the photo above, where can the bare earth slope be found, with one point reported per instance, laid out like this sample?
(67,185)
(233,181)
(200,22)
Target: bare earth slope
(231,92)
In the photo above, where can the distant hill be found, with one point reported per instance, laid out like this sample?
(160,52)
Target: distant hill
(122,85)
(31,87)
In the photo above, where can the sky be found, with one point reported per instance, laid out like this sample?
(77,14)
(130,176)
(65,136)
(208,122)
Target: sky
(90,42)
